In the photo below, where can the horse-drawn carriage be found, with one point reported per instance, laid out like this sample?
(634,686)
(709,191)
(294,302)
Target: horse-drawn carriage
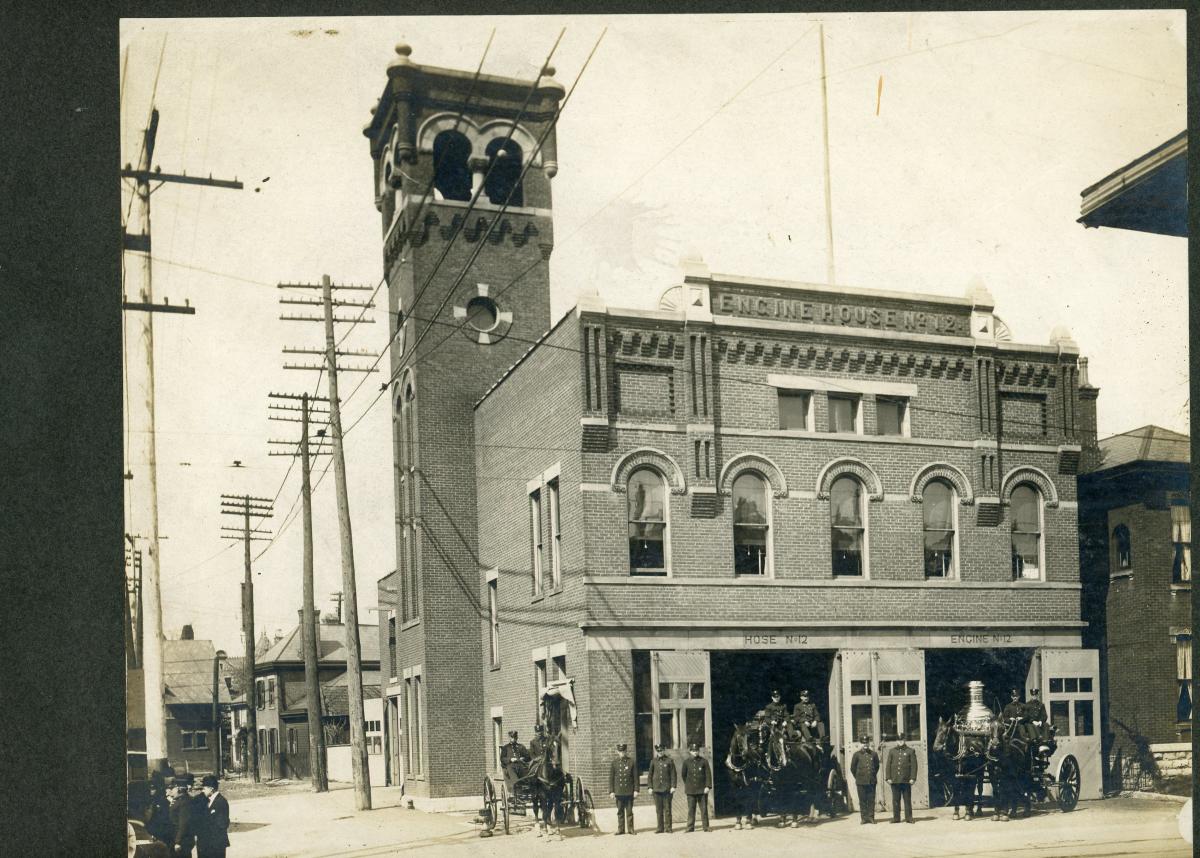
(982,748)
(545,784)
(773,769)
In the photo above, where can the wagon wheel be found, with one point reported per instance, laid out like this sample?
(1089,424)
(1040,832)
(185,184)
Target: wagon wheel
(1068,784)
(587,810)
(504,806)
(488,813)
(835,790)
(569,800)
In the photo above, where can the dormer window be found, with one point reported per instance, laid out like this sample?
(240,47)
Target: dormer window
(452,173)
(503,183)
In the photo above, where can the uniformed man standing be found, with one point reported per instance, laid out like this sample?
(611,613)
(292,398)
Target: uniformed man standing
(1035,714)
(662,784)
(807,717)
(622,785)
(697,781)
(900,772)
(775,710)
(514,755)
(864,768)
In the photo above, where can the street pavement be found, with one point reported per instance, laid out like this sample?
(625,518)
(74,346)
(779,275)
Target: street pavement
(297,823)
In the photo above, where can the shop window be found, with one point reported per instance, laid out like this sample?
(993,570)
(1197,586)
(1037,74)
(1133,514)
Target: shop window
(795,410)
(847,531)
(535,530)
(503,183)
(1122,548)
(891,416)
(751,523)
(494,620)
(1181,539)
(938,504)
(452,173)
(1183,672)
(643,711)
(1026,505)
(843,413)
(647,523)
(555,536)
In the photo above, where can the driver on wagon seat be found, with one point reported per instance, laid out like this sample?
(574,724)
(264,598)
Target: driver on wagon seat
(807,717)
(537,747)
(1014,712)
(514,755)
(1035,714)
(775,710)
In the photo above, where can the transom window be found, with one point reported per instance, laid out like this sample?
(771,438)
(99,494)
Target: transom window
(937,509)
(1026,508)
(751,522)
(843,413)
(847,530)
(647,523)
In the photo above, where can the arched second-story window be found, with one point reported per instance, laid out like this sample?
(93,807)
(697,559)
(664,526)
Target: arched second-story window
(452,173)
(1121,544)
(847,526)
(1026,508)
(751,523)
(503,183)
(648,538)
(937,509)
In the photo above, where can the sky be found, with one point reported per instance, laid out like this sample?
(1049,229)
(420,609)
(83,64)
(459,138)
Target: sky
(959,144)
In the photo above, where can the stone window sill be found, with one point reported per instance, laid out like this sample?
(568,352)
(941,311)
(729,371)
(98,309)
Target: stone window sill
(1117,576)
(1185,587)
(409,624)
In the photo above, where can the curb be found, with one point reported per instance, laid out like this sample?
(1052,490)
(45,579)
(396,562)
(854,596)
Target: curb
(1154,796)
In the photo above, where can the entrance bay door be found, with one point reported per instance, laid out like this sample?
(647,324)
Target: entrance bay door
(881,694)
(682,710)
(1069,680)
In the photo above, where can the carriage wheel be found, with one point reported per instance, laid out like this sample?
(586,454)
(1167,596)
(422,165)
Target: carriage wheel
(489,804)
(835,790)
(587,809)
(1068,784)
(504,806)
(570,800)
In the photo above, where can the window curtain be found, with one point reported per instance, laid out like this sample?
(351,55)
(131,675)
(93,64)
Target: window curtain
(1181,524)
(1183,656)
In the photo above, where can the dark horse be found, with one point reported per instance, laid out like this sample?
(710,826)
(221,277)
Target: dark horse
(547,779)
(1008,769)
(968,753)
(746,767)
(795,767)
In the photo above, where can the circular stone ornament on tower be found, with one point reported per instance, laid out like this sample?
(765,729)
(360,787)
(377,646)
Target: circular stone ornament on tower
(482,318)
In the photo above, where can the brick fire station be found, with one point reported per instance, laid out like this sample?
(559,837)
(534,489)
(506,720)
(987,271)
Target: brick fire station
(759,484)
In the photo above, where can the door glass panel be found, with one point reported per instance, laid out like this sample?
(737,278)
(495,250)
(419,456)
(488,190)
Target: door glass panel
(889,728)
(860,717)
(694,719)
(1072,685)
(912,722)
(666,728)
(1056,686)
(914,686)
(697,691)
(1085,683)
(664,691)
(1060,717)
(860,687)
(885,688)
(1083,718)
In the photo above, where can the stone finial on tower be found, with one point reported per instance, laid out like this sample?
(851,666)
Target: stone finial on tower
(403,52)
(983,320)
(1061,337)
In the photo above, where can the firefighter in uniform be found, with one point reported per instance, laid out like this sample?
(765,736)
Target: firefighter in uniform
(808,719)
(775,710)
(1014,712)
(662,783)
(622,785)
(514,755)
(864,768)
(697,782)
(1038,721)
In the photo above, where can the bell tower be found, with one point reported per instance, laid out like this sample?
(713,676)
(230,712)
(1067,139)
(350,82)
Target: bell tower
(462,170)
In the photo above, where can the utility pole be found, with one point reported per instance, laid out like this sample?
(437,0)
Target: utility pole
(309,631)
(133,578)
(338,597)
(244,505)
(358,739)
(139,243)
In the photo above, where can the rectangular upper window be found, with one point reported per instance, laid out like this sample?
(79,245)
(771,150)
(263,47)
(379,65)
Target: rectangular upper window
(891,416)
(794,410)
(535,530)
(555,536)
(843,413)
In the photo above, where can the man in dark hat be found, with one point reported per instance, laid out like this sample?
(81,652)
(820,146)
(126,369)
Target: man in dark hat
(622,785)
(775,710)
(808,719)
(662,784)
(514,755)
(158,811)
(864,767)
(537,753)
(1038,721)
(900,772)
(212,836)
(697,782)
(185,820)
(1014,709)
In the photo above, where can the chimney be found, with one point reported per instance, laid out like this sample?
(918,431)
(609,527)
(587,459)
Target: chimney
(187,634)
(1089,458)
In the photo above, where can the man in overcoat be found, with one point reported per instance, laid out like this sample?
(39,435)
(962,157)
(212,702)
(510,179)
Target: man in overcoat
(623,786)
(212,835)
(185,817)
(807,718)
(662,784)
(864,768)
(900,771)
(1038,720)
(775,710)
(515,755)
(697,783)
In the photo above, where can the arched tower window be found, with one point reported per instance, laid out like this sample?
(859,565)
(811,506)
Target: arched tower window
(1121,543)
(848,532)
(452,173)
(938,502)
(648,538)
(504,172)
(1026,505)
(751,523)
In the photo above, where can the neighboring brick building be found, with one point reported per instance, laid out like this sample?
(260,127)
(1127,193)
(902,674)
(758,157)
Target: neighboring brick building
(1135,523)
(187,697)
(868,494)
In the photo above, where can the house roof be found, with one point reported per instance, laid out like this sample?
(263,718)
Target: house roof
(1147,444)
(1149,194)
(334,699)
(187,673)
(332,649)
